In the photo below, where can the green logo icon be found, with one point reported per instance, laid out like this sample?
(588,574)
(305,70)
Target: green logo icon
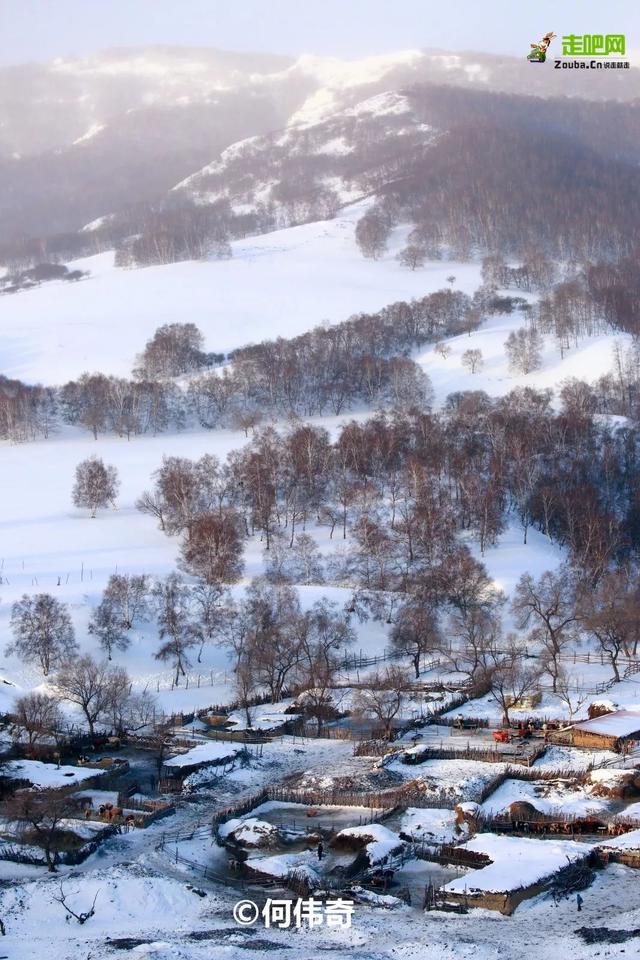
(538,52)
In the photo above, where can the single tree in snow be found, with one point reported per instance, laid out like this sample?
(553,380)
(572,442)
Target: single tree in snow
(174,349)
(42,631)
(524,349)
(417,632)
(106,625)
(91,686)
(472,360)
(412,256)
(152,503)
(96,485)
(128,594)
(209,609)
(442,349)
(177,630)
(372,232)
(213,549)
(124,601)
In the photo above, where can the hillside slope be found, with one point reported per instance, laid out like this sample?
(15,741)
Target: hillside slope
(280,284)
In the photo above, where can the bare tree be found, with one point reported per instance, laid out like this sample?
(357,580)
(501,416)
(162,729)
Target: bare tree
(83,915)
(476,632)
(570,693)
(472,360)
(40,814)
(412,256)
(210,611)
(125,601)
(38,715)
(524,349)
(383,698)
(130,710)
(512,676)
(442,349)
(213,549)
(548,606)
(177,630)
(106,625)
(42,631)
(91,686)
(417,632)
(372,232)
(174,349)
(245,686)
(610,612)
(152,503)
(96,485)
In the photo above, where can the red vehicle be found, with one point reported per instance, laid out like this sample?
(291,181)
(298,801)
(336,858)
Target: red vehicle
(501,736)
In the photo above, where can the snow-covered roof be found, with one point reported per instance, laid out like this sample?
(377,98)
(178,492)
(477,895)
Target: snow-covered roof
(621,723)
(517,862)
(626,841)
(250,831)
(380,841)
(215,752)
(48,775)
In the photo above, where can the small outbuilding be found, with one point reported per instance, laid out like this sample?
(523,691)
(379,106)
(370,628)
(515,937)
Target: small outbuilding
(618,731)
(514,869)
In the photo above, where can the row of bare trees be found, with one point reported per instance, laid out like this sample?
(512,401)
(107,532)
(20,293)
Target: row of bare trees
(362,360)
(405,486)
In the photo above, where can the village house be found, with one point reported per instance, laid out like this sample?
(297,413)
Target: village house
(618,731)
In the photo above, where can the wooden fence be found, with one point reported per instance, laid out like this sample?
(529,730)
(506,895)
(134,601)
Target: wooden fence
(487,755)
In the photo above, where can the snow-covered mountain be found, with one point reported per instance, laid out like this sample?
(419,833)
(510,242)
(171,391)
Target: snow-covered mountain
(125,126)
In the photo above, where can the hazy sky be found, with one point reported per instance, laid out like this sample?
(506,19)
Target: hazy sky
(43,29)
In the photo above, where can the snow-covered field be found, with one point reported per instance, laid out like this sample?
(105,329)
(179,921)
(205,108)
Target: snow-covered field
(592,358)
(280,284)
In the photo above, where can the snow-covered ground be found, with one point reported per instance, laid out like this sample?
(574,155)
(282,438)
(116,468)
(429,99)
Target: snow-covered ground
(279,284)
(590,359)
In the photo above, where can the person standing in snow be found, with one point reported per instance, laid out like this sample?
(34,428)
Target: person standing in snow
(579,901)
(320,850)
